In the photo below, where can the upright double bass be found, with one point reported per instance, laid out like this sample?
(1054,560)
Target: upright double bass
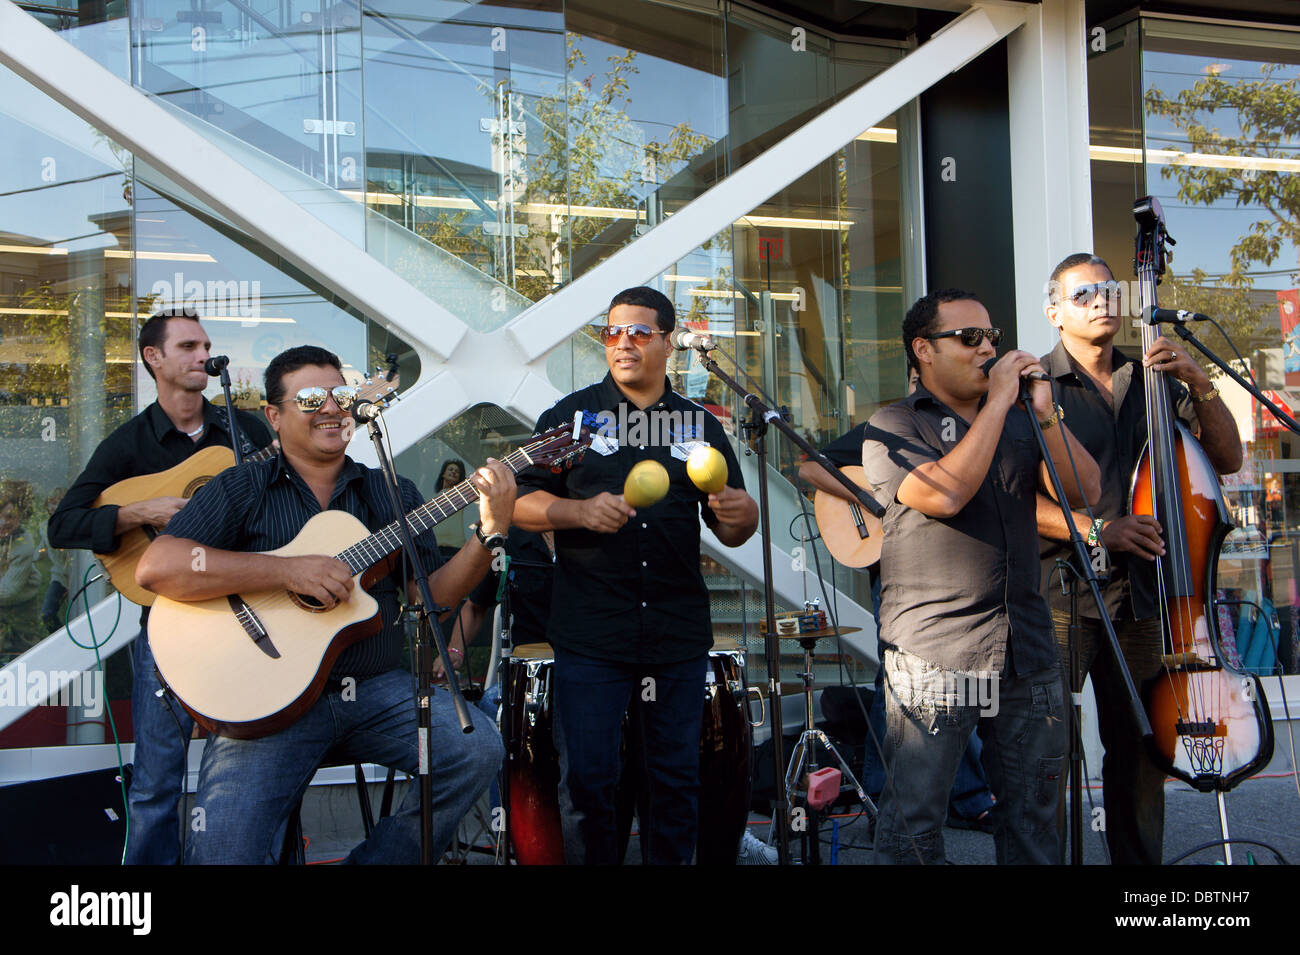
(1210,720)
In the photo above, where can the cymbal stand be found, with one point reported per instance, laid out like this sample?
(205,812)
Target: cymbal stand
(804,756)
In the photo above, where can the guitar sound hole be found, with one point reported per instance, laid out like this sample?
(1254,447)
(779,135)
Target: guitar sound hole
(310,604)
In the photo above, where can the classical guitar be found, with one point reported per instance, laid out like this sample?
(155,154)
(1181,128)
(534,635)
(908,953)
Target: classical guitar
(249,664)
(184,480)
(852,534)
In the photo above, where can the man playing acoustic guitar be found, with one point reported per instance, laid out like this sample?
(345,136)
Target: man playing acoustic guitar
(247,787)
(174,348)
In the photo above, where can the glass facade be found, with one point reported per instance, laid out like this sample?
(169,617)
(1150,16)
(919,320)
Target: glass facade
(1203,117)
(490,153)
(487,153)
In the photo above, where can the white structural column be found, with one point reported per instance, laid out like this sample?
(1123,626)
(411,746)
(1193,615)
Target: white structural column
(1051,202)
(133,119)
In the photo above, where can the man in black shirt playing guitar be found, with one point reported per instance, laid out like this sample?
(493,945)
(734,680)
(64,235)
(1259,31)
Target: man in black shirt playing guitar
(174,348)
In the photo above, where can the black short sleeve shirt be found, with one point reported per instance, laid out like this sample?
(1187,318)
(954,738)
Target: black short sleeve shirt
(1115,437)
(636,595)
(960,592)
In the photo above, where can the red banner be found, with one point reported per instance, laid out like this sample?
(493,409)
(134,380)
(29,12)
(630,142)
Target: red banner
(1288,313)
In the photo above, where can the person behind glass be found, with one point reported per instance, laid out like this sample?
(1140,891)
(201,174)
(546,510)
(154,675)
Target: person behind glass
(452,532)
(630,623)
(970,801)
(1104,398)
(173,347)
(248,787)
(967,636)
(531,567)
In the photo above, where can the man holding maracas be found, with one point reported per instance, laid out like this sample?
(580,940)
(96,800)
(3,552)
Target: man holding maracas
(630,611)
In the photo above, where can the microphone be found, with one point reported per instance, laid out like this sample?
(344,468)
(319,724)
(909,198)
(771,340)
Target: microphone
(1032,376)
(216,365)
(1154,316)
(366,411)
(684,339)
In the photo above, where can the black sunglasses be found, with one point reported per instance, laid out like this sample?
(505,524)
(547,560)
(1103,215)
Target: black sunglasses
(971,337)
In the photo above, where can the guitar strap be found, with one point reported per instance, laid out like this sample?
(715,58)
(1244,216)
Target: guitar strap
(245,445)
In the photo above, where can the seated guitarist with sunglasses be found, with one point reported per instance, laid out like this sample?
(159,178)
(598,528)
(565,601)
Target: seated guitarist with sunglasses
(967,637)
(248,787)
(629,610)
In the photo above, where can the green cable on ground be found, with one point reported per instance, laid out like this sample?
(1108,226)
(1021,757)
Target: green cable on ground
(99,665)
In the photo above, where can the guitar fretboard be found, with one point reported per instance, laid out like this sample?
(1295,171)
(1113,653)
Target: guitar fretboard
(365,553)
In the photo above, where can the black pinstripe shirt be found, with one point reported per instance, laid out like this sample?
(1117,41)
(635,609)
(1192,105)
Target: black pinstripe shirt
(263,506)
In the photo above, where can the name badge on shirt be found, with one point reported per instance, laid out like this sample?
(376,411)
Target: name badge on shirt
(603,445)
(681,450)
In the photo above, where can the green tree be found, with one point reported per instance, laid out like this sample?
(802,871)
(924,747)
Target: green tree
(1267,115)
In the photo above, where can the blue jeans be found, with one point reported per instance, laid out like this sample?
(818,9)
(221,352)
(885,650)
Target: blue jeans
(970,797)
(590,698)
(247,788)
(159,767)
(929,717)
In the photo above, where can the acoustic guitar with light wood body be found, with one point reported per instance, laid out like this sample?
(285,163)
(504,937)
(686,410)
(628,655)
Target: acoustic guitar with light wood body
(183,480)
(250,664)
(851,533)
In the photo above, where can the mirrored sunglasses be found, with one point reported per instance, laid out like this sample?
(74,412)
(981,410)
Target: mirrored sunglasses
(311,400)
(638,333)
(1083,295)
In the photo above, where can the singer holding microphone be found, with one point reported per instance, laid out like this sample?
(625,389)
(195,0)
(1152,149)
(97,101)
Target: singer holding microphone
(967,637)
(174,349)
(630,611)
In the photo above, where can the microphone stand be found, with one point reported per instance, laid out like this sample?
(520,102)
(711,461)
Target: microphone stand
(1083,569)
(760,417)
(428,626)
(235,439)
(1188,336)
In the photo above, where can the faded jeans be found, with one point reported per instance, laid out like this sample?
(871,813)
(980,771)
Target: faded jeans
(930,714)
(159,766)
(247,788)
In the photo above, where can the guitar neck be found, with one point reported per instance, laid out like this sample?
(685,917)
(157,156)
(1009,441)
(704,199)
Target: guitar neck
(370,551)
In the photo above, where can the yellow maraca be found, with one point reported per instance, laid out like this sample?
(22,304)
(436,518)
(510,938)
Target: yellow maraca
(646,484)
(708,469)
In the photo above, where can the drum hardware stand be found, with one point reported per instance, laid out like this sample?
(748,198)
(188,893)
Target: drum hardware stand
(501,648)
(761,415)
(428,627)
(804,756)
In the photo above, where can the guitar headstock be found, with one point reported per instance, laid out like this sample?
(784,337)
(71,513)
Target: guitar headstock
(559,447)
(381,388)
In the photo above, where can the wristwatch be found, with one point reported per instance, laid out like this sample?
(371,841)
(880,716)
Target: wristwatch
(490,541)
(1058,414)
